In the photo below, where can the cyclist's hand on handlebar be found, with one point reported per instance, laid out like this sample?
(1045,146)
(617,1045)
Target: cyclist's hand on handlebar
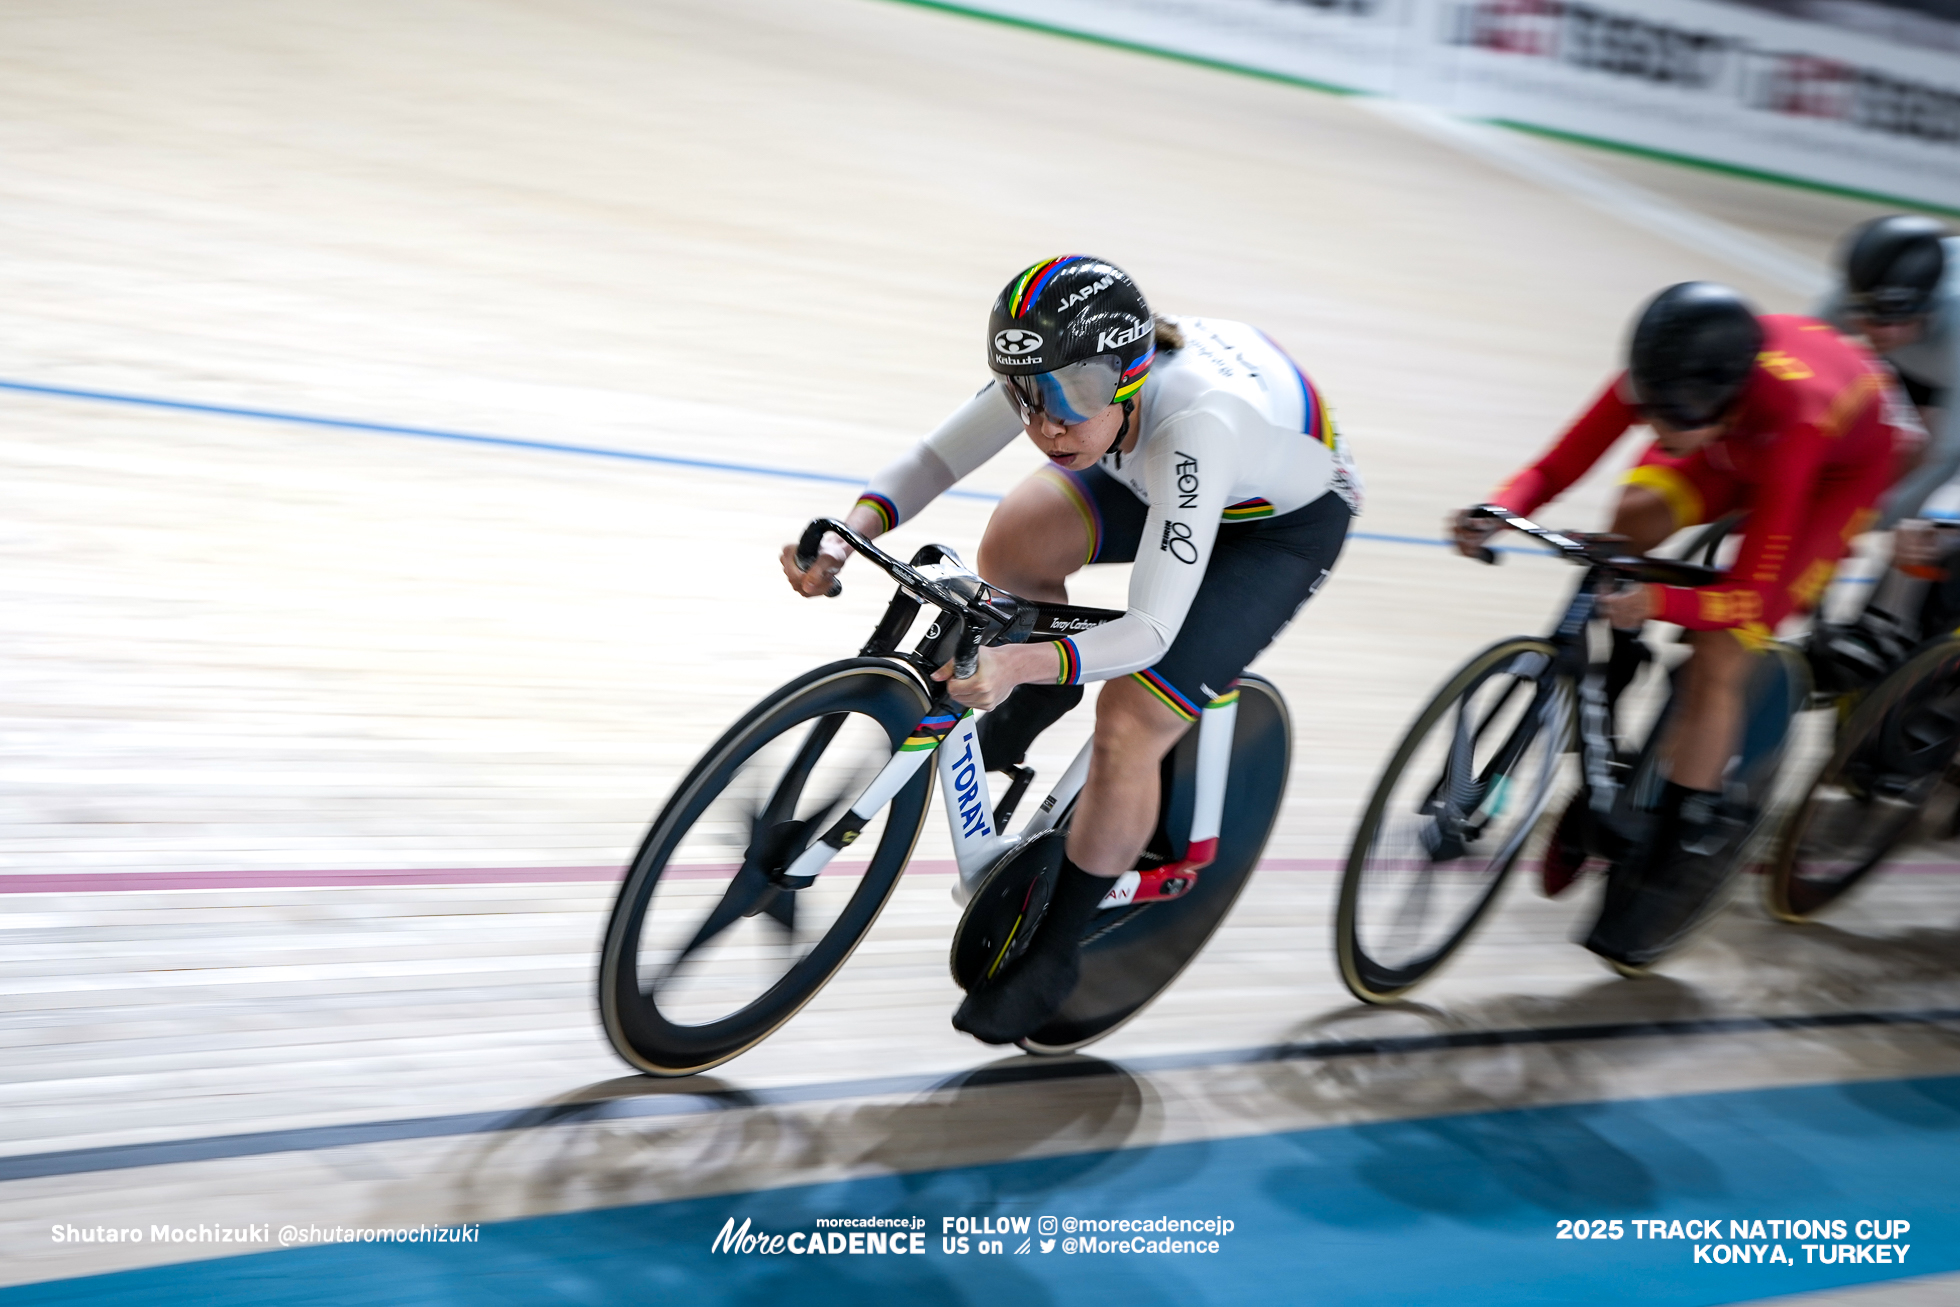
(1470,534)
(1627,608)
(823,571)
(1002,667)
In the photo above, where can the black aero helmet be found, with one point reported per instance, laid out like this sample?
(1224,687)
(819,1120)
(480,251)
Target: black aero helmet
(1692,352)
(1893,265)
(1069,337)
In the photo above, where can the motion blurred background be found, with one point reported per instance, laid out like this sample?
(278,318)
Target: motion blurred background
(401,407)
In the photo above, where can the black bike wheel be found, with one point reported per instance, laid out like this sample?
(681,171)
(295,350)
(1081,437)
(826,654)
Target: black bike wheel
(1892,757)
(1131,955)
(1449,816)
(706,954)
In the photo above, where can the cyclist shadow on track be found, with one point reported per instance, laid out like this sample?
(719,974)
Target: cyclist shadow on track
(1468,1137)
(619,1142)
(1837,968)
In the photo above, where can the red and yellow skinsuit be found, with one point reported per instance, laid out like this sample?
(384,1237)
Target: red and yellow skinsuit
(1811,447)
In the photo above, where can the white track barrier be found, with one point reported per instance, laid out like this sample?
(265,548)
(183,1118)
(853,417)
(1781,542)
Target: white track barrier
(1709,82)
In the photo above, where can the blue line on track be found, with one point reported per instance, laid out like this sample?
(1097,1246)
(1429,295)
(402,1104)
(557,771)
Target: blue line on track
(596,451)
(1460,1211)
(439,433)
(537,446)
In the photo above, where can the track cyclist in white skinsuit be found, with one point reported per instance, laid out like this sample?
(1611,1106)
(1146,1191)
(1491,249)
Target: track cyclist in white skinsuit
(1901,291)
(1197,450)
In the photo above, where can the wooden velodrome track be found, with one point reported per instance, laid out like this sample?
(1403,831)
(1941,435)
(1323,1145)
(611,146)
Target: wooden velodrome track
(323,744)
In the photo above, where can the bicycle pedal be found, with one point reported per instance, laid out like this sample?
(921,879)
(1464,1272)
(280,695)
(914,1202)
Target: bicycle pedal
(1173,880)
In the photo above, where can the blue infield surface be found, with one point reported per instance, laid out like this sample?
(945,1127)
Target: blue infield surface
(1459,1210)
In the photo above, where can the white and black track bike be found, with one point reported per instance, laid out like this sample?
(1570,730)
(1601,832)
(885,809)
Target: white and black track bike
(776,853)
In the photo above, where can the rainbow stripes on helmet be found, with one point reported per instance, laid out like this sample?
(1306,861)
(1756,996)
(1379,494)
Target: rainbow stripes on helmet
(1028,288)
(1135,375)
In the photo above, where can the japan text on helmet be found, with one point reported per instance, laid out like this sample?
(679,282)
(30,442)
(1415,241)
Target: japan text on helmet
(1893,265)
(1069,337)
(1692,352)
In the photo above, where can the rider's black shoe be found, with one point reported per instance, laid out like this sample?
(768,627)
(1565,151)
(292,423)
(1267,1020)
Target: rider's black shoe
(1656,896)
(1033,989)
(1007,731)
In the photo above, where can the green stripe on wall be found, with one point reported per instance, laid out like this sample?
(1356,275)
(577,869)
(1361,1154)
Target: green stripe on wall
(1533,129)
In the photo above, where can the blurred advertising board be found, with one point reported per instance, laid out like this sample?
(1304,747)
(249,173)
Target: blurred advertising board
(1712,82)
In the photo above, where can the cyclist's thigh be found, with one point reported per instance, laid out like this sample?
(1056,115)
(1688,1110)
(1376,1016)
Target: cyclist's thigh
(1259,576)
(1053,523)
(1663,495)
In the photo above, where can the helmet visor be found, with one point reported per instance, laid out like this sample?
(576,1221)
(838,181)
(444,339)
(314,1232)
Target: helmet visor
(1069,395)
(1888,303)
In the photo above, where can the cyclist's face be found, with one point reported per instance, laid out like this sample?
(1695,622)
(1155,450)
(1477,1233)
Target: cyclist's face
(1888,336)
(1677,442)
(1078,446)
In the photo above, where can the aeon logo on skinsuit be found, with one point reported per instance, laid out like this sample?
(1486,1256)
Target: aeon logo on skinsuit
(1016,341)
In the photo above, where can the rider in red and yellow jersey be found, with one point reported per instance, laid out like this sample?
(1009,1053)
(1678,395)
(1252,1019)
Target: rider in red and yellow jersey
(1776,416)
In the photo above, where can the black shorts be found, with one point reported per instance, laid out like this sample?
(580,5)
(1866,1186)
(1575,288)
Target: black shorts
(1260,575)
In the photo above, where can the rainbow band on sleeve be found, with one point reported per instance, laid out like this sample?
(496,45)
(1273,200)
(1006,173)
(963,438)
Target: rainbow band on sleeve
(1070,660)
(886,510)
(1028,288)
(929,732)
(1167,694)
(1315,421)
(1227,699)
(1247,509)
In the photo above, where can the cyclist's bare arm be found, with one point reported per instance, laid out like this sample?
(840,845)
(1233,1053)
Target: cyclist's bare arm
(973,433)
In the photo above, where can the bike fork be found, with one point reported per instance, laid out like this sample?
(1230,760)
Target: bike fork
(924,741)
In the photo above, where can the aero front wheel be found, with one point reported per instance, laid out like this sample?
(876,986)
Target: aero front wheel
(1449,817)
(1891,759)
(708,950)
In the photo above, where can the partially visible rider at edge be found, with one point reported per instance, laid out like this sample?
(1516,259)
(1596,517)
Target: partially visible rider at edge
(1196,449)
(1774,414)
(1900,290)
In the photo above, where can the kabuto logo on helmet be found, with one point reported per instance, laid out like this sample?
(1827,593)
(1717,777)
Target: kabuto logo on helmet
(1016,341)
(1117,337)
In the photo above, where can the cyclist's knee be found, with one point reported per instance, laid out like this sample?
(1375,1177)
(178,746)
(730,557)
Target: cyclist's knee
(1033,543)
(1721,658)
(1643,516)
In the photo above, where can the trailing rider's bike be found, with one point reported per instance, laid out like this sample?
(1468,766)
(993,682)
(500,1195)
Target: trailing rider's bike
(1890,778)
(1481,765)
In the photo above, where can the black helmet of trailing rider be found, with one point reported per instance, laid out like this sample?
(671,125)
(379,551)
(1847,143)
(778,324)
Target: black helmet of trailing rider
(1892,266)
